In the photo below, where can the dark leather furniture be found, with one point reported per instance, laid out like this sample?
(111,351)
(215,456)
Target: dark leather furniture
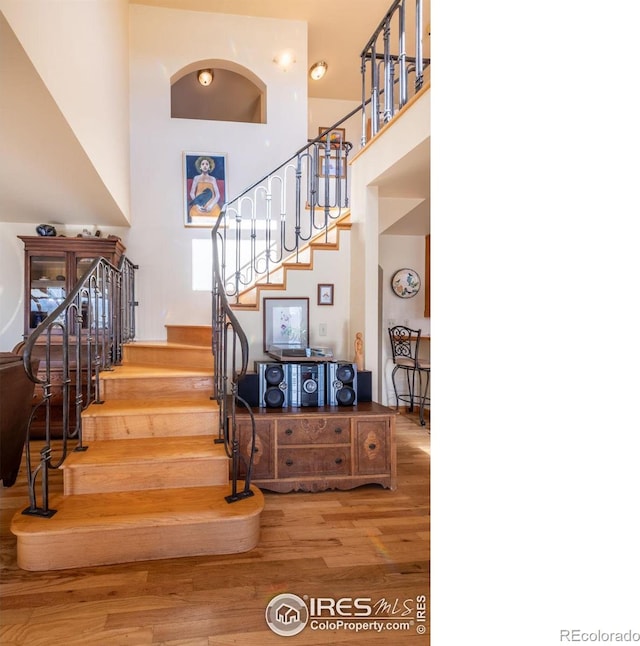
(16,400)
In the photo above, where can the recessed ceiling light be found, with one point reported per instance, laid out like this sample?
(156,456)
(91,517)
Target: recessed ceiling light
(318,70)
(205,77)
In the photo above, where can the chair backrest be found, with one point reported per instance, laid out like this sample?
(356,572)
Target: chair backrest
(405,342)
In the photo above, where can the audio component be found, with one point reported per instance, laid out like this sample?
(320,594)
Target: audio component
(277,385)
(342,384)
(364,386)
(274,384)
(307,384)
(249,388)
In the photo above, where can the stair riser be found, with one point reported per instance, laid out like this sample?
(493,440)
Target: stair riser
(166,356)
(118,427)
(195,472)
(149,387)
(124,545)
(199,335)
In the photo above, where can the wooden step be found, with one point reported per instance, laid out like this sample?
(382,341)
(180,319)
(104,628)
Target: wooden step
(145,382)
(199,335)
(139,464)
(99,529)
(169,355)
(193,414)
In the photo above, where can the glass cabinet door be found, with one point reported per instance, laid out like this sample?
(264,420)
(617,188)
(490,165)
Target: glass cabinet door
(48,286)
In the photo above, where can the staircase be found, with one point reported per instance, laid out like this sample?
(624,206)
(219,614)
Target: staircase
(152,482)
(276,280)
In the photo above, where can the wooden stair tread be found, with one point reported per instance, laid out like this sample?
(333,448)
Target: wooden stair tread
(132,451)
(168,344)
(189,403)
(151,508)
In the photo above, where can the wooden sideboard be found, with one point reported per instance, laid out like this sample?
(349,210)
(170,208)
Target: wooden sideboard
(313,449)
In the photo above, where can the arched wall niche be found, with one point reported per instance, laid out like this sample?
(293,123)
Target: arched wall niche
(236,93)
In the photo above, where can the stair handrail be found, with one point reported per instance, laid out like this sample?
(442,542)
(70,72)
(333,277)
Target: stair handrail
(224,321)
(89,327)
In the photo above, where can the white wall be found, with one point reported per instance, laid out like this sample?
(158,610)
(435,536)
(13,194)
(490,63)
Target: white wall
(326,112)
(11,285)
(80,50)
(163,41)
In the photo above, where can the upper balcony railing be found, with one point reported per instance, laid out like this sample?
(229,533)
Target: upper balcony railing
(392,57)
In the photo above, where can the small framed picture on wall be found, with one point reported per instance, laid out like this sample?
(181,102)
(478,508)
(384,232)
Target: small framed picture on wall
(325,294)
(337,136)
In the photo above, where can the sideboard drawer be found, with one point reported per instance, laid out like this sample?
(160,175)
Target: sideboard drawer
(314,430)
(327,461)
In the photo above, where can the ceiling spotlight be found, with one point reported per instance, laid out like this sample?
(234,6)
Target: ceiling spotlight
(318,70)
(205,77)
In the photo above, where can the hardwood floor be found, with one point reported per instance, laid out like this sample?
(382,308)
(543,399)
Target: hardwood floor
(367,542)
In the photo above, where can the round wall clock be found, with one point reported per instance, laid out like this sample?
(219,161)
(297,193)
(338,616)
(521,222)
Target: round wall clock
(405,283)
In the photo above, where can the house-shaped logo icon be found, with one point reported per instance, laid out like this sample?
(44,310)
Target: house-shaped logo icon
(286,614)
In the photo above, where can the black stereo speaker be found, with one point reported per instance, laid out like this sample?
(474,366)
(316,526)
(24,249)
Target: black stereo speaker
(364,386)
(249,388)
(342,384)
(273,381)
(307,384)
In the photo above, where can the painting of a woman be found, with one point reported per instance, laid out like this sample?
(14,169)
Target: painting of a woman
(205,188)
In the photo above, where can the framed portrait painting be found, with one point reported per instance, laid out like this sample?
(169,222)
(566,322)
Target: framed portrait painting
(337,136)
(204,189)
(286,322)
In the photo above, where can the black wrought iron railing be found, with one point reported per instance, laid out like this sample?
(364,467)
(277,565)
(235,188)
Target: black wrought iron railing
(82,337)
(391,57)
(274,220)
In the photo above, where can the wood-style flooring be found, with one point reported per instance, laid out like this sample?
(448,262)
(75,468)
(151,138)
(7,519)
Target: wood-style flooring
(368,542)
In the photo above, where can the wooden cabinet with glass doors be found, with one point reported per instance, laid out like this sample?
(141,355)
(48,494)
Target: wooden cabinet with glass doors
(52,266)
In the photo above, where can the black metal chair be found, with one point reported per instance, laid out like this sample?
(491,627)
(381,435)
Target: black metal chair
(405,350)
